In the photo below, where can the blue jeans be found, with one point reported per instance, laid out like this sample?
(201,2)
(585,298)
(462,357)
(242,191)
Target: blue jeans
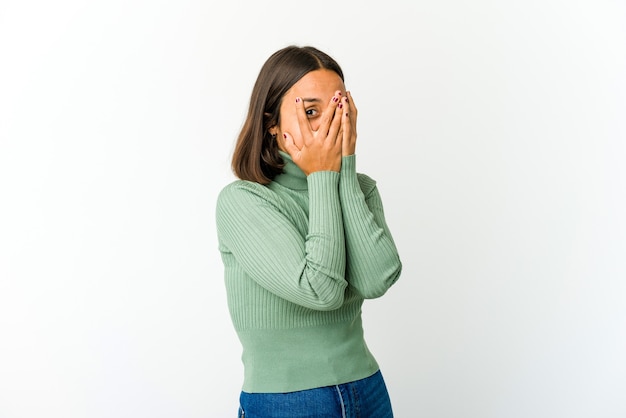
(365,398)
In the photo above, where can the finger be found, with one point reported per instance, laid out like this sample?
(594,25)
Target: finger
(350,99)
(335,126)
(290,146)
(353,110)
(329,115)
(303,122)
(346,127)
(346,122)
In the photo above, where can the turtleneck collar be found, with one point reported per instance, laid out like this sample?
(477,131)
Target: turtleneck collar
(292,177)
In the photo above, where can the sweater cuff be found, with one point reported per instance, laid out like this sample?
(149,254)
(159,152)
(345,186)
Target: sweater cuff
(325,220)
(348,165)
(323,184)
(322,177)
(349,182)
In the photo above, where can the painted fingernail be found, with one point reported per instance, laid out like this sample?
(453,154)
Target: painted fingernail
(285,136)
(335,99)
(340,105)
(297,100)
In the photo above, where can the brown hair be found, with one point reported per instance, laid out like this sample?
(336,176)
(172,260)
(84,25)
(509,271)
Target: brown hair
(256,156)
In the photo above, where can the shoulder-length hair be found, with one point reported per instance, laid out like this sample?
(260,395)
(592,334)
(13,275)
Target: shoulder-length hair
(256,156)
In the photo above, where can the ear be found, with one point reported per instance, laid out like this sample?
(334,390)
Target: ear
(273,130)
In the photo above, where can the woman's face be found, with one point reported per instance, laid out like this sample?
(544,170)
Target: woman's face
(316,89)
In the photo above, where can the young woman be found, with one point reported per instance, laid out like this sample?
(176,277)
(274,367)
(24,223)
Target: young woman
(304,241)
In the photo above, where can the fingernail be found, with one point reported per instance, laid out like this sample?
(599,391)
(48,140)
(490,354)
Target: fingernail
(340,105)
(297,100)
(285,136)
(335,99)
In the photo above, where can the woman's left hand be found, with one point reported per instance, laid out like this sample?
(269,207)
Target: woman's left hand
(348,125)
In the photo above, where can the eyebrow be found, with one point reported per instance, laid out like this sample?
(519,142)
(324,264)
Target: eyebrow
(311,99)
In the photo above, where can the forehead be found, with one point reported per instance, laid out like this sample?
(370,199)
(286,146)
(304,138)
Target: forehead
(318,84)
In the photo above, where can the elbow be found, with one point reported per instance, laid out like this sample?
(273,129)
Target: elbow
(330,305)
(390,277)
(393,278)
(330,302)
(331,296)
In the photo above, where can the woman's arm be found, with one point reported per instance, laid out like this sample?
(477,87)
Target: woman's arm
(308,270)
(372,264)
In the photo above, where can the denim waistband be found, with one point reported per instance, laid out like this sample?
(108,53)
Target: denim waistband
(362,398)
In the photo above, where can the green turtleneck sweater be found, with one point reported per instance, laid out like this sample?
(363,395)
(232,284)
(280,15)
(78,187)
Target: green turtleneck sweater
(300,255)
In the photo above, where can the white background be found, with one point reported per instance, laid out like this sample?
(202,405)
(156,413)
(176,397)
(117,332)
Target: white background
(496,131)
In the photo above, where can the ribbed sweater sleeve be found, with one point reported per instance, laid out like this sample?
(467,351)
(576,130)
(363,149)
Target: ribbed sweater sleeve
(307,270)
(373,264)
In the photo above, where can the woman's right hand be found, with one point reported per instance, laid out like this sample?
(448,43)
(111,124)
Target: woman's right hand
(318,150)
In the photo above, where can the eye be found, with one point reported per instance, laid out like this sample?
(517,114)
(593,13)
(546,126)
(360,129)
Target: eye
(311,113)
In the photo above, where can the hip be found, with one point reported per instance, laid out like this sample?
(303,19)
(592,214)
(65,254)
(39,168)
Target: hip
(361,398)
